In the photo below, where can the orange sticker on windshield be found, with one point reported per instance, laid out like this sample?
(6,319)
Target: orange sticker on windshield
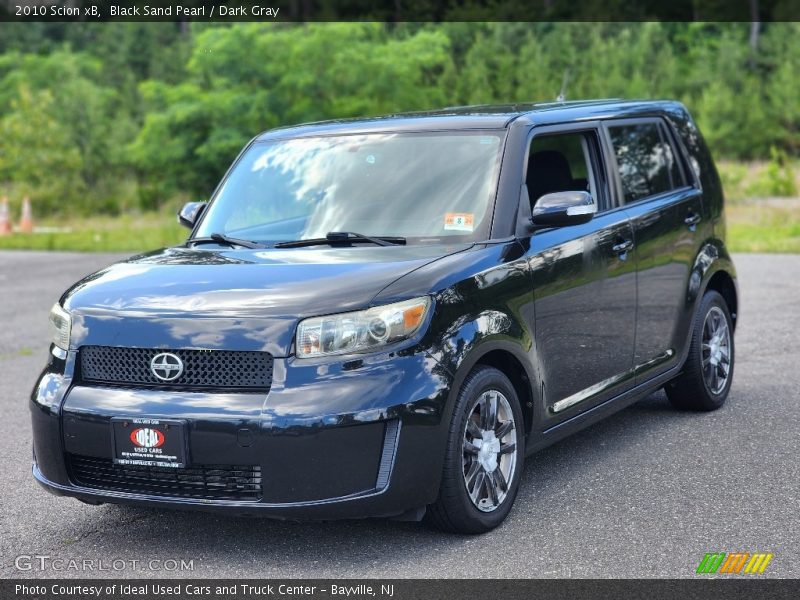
(459,221)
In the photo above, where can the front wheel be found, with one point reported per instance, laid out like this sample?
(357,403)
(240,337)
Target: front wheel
(707,374)
(485,455)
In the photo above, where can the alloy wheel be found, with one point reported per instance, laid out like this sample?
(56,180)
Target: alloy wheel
(490,450)
(716,350)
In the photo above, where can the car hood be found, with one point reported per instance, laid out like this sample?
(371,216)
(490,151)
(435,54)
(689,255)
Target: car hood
(233,299)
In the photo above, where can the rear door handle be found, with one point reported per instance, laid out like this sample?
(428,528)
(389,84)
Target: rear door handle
(692,219)
(622,246)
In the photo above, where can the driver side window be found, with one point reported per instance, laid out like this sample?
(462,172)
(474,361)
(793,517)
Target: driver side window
(559,163)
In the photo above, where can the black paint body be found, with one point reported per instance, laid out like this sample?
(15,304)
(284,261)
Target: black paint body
(558,310)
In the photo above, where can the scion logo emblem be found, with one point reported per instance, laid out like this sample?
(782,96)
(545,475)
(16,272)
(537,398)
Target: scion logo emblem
(166,366)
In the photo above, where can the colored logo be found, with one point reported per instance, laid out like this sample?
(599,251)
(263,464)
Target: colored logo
(735,562)
(166,366)
(144,437)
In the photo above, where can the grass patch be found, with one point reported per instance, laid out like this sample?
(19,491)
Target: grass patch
(770,225)
(746,181)
(21,352)
(764,227)
(126,233)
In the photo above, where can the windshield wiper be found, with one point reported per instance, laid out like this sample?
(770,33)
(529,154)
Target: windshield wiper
(339,237)
(221,238)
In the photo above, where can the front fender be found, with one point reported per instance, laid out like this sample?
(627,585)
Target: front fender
(487,317)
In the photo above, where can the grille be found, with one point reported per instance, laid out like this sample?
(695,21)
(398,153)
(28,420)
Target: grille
(213,482)
(201,368)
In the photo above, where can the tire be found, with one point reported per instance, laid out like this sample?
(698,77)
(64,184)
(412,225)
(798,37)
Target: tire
(455,510)
(696,388)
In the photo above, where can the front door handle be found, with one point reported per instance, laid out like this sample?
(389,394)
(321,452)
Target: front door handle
(622,246)
(692,219)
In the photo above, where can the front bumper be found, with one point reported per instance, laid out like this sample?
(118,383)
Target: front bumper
(332,439)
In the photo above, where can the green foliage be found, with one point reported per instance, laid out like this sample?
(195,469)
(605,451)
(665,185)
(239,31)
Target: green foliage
(36,151)
(732,175)
(119,116)
(777,179)
(244,79)
(63,131)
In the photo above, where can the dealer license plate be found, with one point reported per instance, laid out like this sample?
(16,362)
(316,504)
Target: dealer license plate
(149,442)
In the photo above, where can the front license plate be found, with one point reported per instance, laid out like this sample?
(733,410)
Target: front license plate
(149,442)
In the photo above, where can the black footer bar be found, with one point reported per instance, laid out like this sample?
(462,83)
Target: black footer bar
(401,589)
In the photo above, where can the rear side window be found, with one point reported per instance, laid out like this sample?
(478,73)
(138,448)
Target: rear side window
(647,164)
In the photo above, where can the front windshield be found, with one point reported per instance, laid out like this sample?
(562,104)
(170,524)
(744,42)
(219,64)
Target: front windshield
(425,187)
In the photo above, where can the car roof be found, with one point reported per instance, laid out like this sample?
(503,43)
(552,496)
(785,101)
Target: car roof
(487,116)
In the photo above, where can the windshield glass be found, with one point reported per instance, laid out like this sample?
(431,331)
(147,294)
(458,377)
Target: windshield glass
(421,186)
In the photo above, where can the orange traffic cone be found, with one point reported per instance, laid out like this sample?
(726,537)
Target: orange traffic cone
(26,222)
(5,221)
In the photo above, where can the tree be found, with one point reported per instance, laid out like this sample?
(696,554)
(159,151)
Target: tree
(37,155)
(250,77)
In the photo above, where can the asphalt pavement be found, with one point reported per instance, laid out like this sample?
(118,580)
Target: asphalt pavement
(646,493)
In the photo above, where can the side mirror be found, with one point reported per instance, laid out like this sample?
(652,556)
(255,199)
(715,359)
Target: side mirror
(190,213)
(561,209)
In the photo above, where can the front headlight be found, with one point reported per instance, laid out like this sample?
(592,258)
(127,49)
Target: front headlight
(361,330)
(60,326)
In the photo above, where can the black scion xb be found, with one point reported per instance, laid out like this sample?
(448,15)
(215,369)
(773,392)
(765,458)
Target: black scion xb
(384,317)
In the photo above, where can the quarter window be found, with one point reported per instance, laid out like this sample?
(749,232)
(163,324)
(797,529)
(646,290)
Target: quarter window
(646,162)
(675,173)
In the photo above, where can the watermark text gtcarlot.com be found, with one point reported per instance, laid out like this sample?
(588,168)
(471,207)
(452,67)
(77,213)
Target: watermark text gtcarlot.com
(43,562)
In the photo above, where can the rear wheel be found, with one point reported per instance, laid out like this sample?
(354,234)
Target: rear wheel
(484,459)
(707,374)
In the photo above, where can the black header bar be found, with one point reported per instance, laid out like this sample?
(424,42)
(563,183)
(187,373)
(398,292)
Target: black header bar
(399,10)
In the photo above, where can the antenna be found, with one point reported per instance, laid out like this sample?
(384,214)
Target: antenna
(562,95)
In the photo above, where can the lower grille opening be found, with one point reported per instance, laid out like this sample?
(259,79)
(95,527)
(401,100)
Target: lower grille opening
(212,482)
